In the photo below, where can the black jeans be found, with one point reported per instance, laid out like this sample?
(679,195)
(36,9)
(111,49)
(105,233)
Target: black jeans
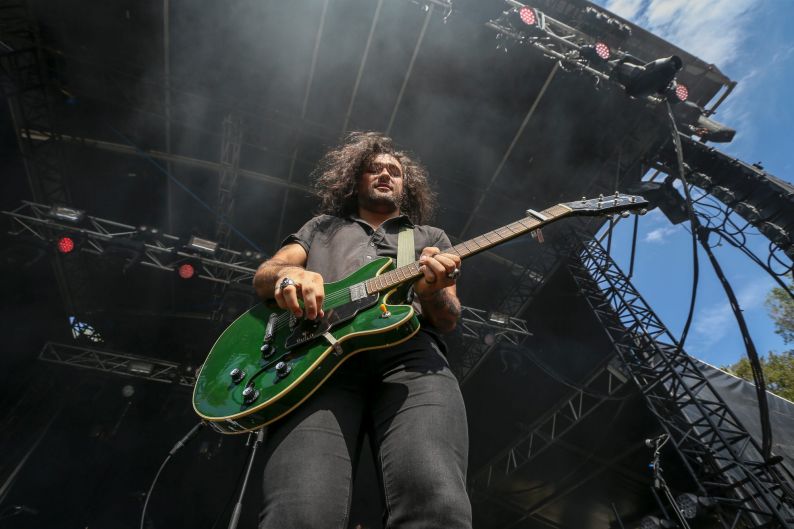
(410,402)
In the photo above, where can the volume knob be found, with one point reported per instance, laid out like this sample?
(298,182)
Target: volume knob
(237,375)
(250,394)
(283,369)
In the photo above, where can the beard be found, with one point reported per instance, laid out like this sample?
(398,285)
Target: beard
(379,201)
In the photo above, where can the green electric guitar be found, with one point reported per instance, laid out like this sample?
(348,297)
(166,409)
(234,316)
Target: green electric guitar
(267,362)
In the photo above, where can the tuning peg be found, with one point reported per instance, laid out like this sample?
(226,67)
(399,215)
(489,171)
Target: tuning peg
(643,211)
(617,194)
(633,199)
(624,214)
(584,199)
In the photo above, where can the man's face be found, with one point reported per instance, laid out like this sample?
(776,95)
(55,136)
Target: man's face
(380,187)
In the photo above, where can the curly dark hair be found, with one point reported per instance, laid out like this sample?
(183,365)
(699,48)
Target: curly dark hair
(337,175)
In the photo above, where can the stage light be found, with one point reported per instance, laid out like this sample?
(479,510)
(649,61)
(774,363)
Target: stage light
(724,194)
(140,368)
(186,271)
(602,50)
(597,52)
(66,213)
(498,318)
(642,80)
(691,505)
(681,91)
(776,234)
(710,130)
(748,212)
(528,16)
(65,244)
(202,245)
(653,522)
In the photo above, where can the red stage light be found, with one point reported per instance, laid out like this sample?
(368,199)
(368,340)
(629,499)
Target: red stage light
(528,16)
(186,271)
(681,92)
(65,244)
(602,50)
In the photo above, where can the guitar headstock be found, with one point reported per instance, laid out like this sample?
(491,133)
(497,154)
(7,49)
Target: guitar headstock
(607,205)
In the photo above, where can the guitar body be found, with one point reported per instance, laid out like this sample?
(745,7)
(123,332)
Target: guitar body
(267,363)
(310,353)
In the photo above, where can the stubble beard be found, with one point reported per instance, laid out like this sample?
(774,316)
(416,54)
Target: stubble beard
(380,202)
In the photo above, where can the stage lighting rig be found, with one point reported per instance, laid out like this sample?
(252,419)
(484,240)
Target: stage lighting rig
(693,506)
(641,80)
(598,52)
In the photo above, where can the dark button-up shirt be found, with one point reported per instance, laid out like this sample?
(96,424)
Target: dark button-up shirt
(338,246)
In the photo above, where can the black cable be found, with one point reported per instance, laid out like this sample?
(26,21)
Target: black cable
(693,222)
(178,446)
(701,234)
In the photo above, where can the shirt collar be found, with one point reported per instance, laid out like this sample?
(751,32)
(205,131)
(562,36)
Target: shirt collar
(402,219)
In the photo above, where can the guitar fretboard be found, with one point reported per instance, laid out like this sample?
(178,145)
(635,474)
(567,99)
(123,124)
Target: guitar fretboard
(465,249)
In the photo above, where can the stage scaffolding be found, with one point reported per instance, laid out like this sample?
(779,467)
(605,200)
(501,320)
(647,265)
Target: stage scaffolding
(721,458)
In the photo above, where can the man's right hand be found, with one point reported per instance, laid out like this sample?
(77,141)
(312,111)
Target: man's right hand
(308,287)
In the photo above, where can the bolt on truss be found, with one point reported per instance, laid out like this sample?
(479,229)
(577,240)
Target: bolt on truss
(602,386)
(722,459)
(121,364)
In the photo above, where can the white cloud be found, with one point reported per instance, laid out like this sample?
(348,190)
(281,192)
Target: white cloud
(713,323)
(659,235)
(713,30)
(628,9)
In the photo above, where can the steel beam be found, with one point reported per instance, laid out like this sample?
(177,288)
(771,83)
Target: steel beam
(144,367)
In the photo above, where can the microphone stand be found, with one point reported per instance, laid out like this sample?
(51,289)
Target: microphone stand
(260,436)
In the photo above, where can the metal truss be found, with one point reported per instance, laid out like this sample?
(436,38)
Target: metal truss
(227,267)
(528,281)
(602,386)
(722,459)
(144,246)
(479,324)
(231,141)
(229,174)
(128,365)
(27,88)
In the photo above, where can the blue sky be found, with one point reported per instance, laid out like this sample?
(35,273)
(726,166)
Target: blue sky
(751,42)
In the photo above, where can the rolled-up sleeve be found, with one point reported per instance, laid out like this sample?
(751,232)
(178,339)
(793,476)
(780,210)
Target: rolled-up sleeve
(304,236)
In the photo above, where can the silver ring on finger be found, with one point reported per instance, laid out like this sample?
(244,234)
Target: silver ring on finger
(286,282)
(454,274)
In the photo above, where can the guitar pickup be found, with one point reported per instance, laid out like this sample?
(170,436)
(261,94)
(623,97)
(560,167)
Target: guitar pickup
(269,330)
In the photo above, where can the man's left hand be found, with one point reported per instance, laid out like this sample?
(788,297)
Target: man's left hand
(440,271)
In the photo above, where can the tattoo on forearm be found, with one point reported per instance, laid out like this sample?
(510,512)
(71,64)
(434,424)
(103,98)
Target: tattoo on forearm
(441,301)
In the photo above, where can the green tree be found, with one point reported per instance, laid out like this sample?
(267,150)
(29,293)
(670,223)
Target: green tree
(781,308)
(778,373)
(778,368)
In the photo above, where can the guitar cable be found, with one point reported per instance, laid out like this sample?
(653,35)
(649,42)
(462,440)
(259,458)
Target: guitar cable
(177,447)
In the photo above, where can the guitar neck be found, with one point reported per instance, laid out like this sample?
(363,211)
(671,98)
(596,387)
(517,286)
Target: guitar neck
(471,247)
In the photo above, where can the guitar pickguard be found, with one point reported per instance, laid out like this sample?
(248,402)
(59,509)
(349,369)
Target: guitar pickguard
(307,330)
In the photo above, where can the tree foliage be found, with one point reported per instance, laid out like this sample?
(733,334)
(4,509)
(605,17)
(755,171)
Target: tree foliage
(778,368)
(778,373)
(781,308)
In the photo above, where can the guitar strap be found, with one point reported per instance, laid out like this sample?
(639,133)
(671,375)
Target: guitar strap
(406,253)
